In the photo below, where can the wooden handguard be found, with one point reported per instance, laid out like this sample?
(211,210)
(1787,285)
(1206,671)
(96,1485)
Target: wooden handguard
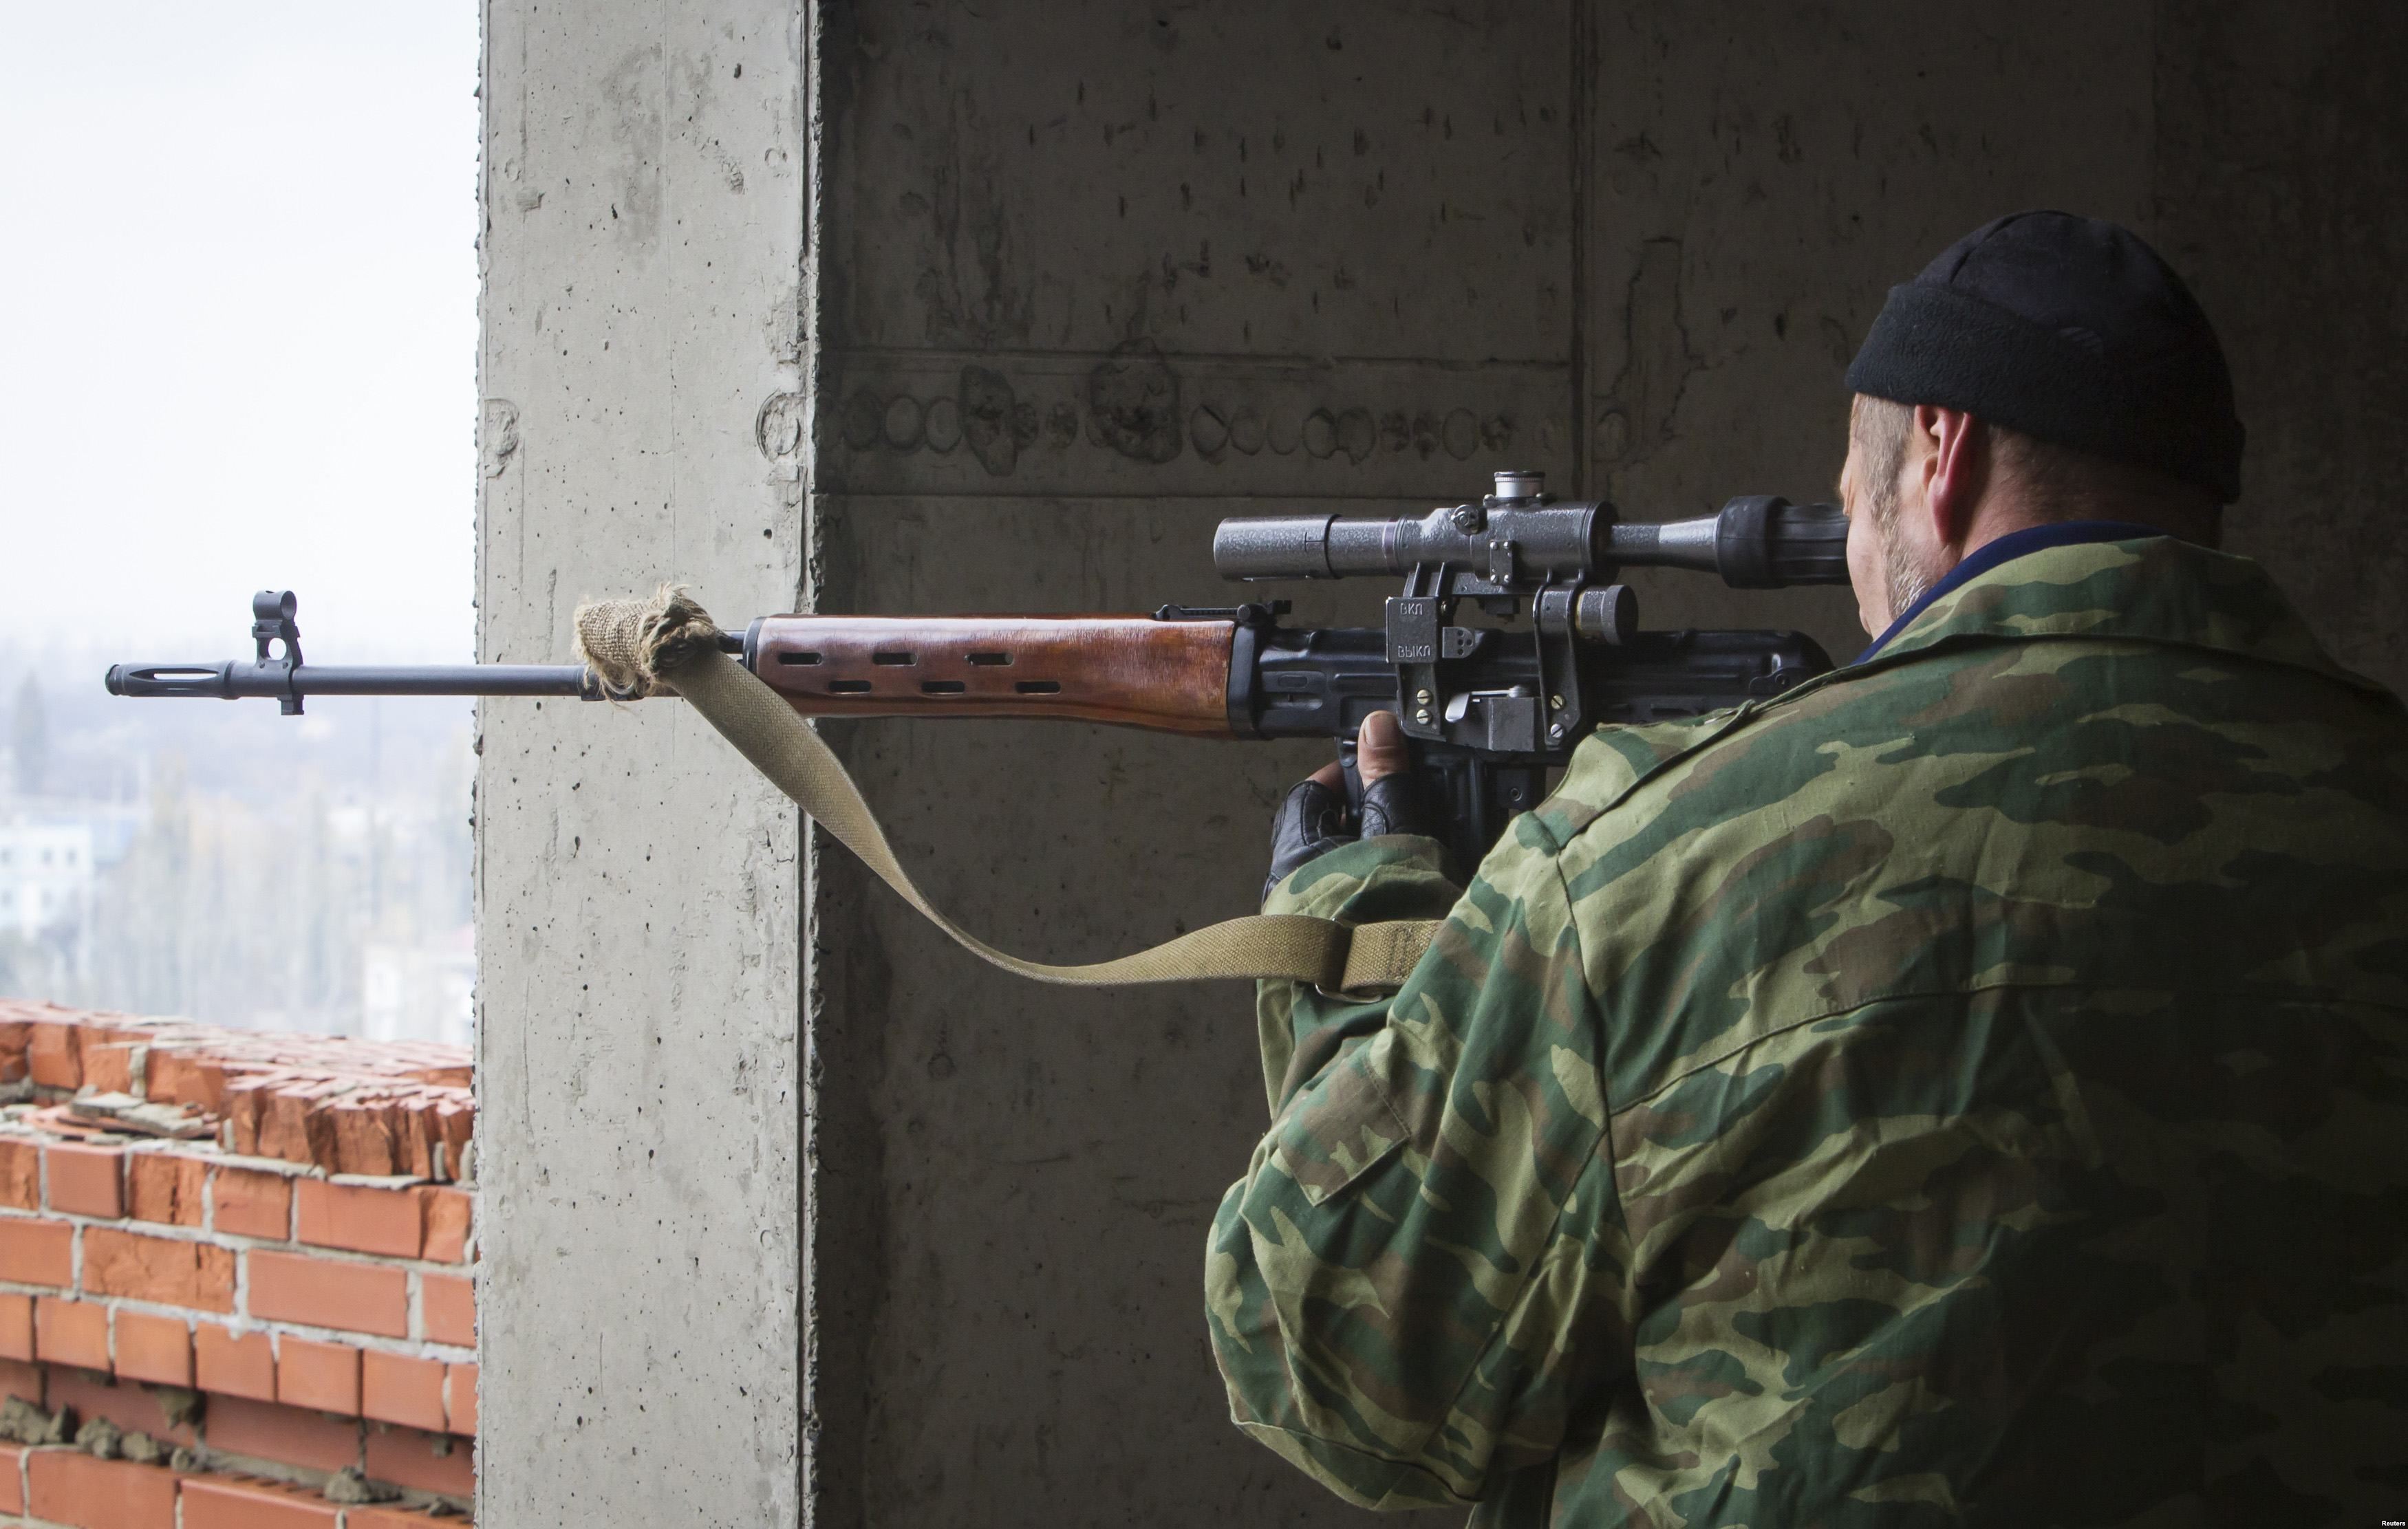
(1169,676)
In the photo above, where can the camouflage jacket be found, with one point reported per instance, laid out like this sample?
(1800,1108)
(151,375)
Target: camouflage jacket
(1970,1089)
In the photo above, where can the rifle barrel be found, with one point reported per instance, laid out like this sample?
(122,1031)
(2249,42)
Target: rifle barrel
(237,678)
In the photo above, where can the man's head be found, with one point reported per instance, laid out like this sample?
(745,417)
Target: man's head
(2044,369)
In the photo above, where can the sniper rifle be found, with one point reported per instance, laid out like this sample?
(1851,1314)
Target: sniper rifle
(1488,710)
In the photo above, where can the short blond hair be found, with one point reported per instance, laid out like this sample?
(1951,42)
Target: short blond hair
(2058,482)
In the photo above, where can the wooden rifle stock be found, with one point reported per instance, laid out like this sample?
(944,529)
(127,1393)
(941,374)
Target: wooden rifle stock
(1136,671)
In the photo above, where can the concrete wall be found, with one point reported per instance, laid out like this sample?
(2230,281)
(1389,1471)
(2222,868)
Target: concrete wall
(1758,188)
(1085,277)
(638,888)
(1187,262)
(2281,148)
(1632,244)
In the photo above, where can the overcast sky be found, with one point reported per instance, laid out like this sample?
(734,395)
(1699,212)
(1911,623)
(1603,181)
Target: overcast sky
(237,323)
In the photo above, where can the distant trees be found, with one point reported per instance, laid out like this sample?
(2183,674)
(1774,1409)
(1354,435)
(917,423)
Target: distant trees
(29,738)
(229,912)
(239,867)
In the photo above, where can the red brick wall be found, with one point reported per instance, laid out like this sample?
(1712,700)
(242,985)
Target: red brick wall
(280,1293)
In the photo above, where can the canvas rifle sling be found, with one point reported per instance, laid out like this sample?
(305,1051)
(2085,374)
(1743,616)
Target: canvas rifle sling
(669,645)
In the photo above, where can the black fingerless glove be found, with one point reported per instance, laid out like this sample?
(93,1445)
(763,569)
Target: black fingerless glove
(1397,804)
(1314,819)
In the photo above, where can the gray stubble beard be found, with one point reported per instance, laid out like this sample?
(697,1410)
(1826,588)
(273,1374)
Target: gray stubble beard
(1907,583)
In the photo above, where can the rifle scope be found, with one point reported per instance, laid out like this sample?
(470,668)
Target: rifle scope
(1755,543)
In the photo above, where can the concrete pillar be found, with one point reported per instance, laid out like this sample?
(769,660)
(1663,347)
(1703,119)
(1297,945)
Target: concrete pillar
(638,888)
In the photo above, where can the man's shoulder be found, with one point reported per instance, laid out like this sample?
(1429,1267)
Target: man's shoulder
(2031,709)
(2016,813)
(1686,775)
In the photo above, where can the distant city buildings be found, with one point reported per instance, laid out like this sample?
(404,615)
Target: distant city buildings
(237,869)
(46,876)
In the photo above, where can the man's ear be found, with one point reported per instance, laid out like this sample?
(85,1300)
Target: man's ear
(1956,470)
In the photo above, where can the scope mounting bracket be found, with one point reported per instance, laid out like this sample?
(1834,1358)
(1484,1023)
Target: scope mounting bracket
(1423,638)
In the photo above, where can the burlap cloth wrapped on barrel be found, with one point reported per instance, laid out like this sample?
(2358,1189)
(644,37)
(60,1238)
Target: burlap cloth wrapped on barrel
(669,646)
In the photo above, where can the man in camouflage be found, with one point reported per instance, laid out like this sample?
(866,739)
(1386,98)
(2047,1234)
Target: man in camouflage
(1971,1088)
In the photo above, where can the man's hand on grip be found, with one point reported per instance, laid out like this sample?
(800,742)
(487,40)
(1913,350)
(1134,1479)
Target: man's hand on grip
(1315,817)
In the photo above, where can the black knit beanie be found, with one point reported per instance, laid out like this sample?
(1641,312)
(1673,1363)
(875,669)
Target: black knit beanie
(2068,329)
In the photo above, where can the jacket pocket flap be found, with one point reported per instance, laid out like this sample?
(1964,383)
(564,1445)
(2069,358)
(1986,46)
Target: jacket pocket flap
(1337,1130)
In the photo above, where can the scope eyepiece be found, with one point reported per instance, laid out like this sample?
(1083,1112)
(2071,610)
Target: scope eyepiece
(1759,542)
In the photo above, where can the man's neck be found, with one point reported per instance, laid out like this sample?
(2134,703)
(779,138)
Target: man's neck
(2005,512)
(2005,547)
(2012,508)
